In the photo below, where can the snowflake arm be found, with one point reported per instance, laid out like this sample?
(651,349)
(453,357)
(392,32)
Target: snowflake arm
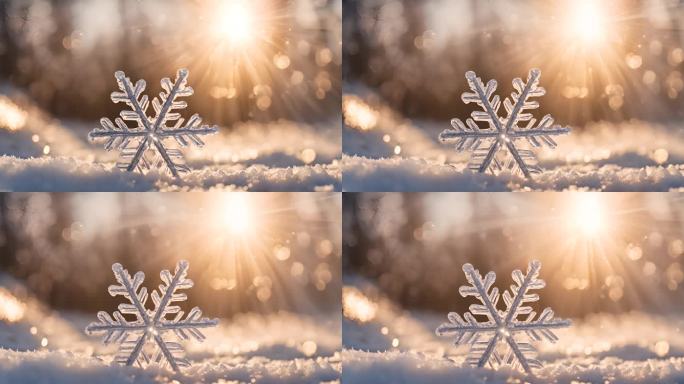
(481,289)
(172,283)
(523,92)
(130,334)
(116,328)
(469,136)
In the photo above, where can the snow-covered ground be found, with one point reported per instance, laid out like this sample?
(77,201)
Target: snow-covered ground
(400,346)
(383,151)
(43,346)
(40,153)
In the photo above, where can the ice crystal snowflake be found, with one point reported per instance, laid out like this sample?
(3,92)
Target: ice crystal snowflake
(502,132)
(483,336)
(151,325)
(133,142)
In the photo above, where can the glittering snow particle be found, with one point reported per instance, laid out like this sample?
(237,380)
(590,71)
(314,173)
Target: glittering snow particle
(150,325)
(152,133)
(505,326)
(503,133)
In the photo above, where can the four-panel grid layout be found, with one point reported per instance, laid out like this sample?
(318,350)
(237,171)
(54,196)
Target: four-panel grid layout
(320,191)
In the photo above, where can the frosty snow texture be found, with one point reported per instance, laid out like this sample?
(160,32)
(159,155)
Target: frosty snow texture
(134,142)
(485,143)
(484,336)
(150,325)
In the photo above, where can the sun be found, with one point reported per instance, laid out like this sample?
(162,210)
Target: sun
(588,215)
(236,214)
(235,22)
(586,22)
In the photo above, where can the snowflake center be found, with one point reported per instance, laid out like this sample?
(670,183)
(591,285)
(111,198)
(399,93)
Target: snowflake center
(503,331)
(504,138)
(152,330)
(153,136)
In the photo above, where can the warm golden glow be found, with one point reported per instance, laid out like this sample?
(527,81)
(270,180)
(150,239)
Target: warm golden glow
(235,22)
(11,116)
(586,21)
(357,306)
(11,309)
(588,216)
(236,213)
(358,114)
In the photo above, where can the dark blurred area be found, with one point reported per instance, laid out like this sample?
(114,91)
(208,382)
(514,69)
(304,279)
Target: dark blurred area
(599,252)
(261,253)
(248,60)
(600,59)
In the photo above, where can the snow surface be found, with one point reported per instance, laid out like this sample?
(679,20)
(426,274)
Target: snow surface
(45,154)
(632,347)
(248,348)
(629,156)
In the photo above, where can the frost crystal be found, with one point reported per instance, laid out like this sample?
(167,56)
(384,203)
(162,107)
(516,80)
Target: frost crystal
(133,142)
(486,143)
(483,336)
(150,325)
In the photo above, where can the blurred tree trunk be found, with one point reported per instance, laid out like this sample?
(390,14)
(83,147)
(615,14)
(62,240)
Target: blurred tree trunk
(355,244)
(58,68)
(355,47)
(8,243)
(8,49)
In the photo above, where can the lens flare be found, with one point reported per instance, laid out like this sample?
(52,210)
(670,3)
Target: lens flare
(11,309)
(358,114)
(235,22)
(11,116)
(587,215)
(587,22)
(236,213)
(357,306)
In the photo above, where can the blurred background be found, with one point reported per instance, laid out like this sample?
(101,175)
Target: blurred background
(601,60)
(248,60)
(600,253)
(260,253)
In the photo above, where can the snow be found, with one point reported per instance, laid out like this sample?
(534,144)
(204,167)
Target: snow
(45,154)
(280,347)
(393,153)
(629,347)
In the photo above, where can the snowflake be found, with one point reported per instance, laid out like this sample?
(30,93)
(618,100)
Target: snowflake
(486,143)
(151,131)
(484,336)
(150,325)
